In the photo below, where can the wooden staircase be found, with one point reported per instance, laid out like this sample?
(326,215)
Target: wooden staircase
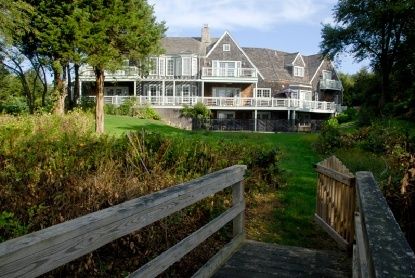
(257,259)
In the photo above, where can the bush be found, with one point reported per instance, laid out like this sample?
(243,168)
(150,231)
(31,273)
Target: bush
(126,108)
(329,138)
(110,109)
(14,106)
(87,104)
(199,111)
(349,115)
(145,112)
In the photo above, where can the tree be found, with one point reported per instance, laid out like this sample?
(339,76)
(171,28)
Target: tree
(118,30)
(370,29)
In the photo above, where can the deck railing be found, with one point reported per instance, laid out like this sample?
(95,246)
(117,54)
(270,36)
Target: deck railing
(39,252)
(228,102)
(330,84)
(335,205)
(381,249)
(229,72)
(379,246)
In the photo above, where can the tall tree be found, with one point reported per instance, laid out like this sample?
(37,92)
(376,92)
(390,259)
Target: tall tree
(118,30)
(370,29)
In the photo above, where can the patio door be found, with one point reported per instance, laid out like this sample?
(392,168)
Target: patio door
(186,94)
(154,94)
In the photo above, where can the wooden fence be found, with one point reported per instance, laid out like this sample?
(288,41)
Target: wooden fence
(335,203)
(39,252)
(381,249)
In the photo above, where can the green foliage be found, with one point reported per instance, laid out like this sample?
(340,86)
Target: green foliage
(349,115)
(10,227)
(14,106)
(198,111)
(126,108)
(87,104)
(329,138)
(130,108)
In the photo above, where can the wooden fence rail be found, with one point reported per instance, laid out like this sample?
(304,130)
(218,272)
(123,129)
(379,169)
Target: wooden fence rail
(381,249)
(39,252)
(335,203)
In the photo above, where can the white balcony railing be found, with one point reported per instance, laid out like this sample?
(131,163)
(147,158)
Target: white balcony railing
(231,103)
(87,71)
(229,72)
(330,84)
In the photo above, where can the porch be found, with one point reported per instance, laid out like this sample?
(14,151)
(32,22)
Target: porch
(236,103)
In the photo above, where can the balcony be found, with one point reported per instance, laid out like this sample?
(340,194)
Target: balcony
(330,84)
(225,103)
(249,74)
(87,72)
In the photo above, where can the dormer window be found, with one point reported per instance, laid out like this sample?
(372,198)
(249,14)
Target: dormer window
(226,47)
(327,74)
(299,71)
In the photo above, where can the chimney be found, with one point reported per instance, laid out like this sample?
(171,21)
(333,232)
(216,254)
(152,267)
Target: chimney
(205,34)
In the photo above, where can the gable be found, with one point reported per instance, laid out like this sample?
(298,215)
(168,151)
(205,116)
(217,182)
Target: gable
(233,53)
(299,61)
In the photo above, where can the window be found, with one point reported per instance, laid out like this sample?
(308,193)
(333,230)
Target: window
(153,66)
(162,64)
(226,92)
(299,71)
(226,47)
(305,95)
(264,115)
(226,68)
(327,74)
(263,93)
(226,115)
(170,67)
(186,66)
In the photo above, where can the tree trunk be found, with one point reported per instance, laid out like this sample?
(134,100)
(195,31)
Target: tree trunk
(68,87)
(59,90)
(99,108)
(76,89)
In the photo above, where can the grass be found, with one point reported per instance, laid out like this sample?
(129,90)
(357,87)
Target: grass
(284,216)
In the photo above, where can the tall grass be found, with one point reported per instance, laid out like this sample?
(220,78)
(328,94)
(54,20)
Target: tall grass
(53,169)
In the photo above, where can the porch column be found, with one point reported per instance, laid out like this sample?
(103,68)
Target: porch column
(255,119)
(174,92)
(163,91)
(135,88)
(288,114)
(80,90)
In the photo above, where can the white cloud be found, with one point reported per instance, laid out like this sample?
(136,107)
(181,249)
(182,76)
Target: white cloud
(235,14)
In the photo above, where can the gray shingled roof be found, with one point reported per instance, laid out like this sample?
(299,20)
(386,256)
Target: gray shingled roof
(185,45)
(273,63)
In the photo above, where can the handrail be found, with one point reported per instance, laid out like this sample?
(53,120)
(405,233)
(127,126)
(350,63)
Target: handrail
(237,102)
(381,248)
(39,252)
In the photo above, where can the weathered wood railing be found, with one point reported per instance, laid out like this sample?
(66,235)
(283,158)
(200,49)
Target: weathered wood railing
(381,249)
(39,252)
(335,204)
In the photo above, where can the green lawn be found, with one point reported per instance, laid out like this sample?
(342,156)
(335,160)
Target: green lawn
(293,215)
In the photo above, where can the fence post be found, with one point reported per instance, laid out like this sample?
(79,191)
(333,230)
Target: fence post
(238,197)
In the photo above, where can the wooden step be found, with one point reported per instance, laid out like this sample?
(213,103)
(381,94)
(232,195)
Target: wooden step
(257,259)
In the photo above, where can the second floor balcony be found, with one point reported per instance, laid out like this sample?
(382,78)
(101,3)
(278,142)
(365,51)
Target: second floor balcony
(330,84)
(229,73)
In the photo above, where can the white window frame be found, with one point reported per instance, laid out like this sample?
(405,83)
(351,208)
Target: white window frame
(260,115)
(235,91)
(225,114)
(226,47)
(154,66)
(169,67)
(298,71)
(263,93)
(304,93)
(162,66)
(327,73)
(186,66)
(226,68)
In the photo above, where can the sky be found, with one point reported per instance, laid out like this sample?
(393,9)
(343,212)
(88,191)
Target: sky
(286,25)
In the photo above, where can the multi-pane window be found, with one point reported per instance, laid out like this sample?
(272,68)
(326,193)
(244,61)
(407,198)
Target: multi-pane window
(186,66)
(299,71)
(162,64)
(327,74)
(226,92)
(226,47)
(153,66)
(170,67)
(226,68)
(263,93)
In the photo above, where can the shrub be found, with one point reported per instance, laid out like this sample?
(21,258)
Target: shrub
(110,109)
(198,111)
(87,104)
(145,112)
(329,138)
(14,106)
(350,114)
(126,107)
